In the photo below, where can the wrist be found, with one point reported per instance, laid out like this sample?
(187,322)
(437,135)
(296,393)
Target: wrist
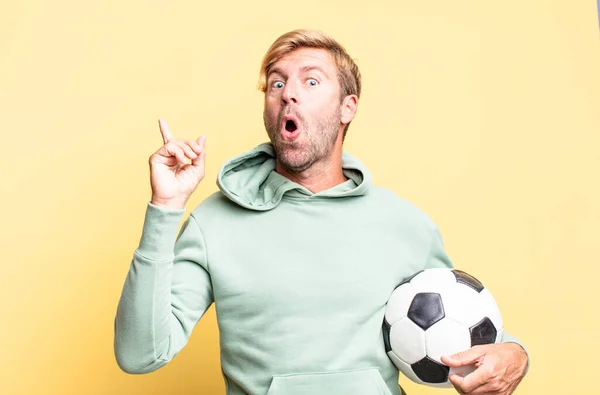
(168,203)
(521,354)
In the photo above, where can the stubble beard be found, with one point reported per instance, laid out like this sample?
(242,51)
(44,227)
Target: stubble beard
(317,143)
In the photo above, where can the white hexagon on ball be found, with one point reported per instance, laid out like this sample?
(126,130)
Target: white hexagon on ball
(410,351)
(400,300)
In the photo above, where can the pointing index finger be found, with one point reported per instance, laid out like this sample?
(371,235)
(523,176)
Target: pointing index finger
(164,130)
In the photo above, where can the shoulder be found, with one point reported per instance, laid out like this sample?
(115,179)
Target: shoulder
(212,212)
(400,210)
(397,204)
(214,205)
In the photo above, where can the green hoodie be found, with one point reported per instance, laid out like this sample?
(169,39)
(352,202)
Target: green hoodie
(299,280)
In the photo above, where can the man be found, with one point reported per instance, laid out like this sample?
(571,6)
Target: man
(298,251)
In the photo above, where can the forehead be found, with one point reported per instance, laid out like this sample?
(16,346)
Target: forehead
(306,57)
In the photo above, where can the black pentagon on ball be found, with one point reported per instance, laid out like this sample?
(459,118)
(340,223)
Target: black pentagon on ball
(387,328)
(468,280)
(430,371)
(426,309)
(484,332)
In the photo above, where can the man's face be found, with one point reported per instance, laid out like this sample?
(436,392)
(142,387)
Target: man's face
(303,106)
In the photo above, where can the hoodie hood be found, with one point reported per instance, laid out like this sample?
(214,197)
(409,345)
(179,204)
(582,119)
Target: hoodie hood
(250,180)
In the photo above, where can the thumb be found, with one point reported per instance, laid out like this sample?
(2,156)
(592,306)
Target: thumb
(463,358)
(199,160)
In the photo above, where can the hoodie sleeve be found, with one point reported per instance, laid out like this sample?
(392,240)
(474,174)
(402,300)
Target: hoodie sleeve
(439,258)
(166,292)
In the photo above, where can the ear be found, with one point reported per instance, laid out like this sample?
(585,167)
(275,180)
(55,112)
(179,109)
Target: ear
(349,107)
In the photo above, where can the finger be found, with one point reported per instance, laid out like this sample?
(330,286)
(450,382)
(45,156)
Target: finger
(188,152)
(195,147)
(188,149)
(466,357)
(457,382)
(201,141)
(473,381)
(176,151)
(491,389)
(164,130)
(200,159)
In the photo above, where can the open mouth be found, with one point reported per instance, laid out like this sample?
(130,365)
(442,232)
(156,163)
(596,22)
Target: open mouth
(290,129)
(290,126)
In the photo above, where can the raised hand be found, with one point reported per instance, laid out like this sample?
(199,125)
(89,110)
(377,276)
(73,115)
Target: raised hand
(176,169)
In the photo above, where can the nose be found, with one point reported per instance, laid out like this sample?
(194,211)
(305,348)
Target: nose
(290,93)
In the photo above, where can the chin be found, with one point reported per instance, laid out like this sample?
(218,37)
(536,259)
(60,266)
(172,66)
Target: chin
(293,161)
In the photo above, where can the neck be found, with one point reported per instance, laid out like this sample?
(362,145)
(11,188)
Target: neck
(321,175)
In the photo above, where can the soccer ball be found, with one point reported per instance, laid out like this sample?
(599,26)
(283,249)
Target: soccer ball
(438,312)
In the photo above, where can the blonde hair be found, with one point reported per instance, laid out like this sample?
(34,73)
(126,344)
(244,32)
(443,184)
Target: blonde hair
(348,73)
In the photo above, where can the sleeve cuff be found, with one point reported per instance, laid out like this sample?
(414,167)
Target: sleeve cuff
(159,232)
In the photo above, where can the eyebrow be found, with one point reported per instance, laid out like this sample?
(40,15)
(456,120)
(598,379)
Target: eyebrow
(304,69)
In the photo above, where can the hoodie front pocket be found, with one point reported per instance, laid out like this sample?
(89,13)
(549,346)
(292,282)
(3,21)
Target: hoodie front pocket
(352,382)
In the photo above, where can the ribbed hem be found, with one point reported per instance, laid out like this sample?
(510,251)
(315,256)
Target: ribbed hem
(159,232)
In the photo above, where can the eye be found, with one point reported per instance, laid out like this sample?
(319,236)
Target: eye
(277,84)
(312,82)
